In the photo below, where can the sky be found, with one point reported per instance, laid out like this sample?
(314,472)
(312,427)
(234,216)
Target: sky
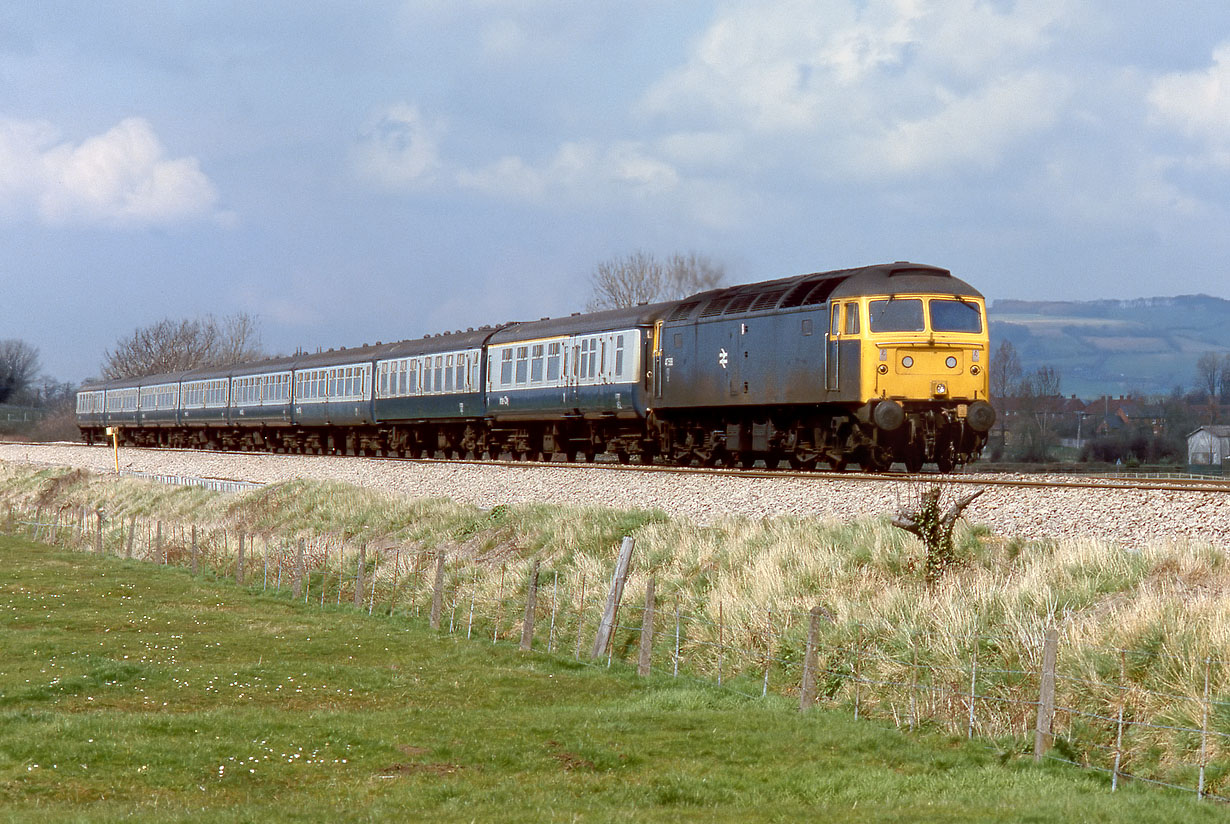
(354,172)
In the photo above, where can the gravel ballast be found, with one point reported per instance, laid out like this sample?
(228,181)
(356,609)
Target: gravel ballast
(1129,517)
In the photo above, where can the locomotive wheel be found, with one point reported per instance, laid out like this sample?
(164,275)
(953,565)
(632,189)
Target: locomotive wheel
(946,457)
(913,460)
(876,459)
(837,463)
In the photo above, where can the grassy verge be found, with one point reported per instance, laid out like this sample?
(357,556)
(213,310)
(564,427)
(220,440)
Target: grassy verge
(138,693)
(890,644)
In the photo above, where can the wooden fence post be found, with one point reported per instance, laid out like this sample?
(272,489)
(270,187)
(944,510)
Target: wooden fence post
(607,626)
(358,577)
(531,605)
(239,566)
(643,661)
(159,557)
(807,693)
(580,618)
(132,530)
(1204,730)
(297,589)
(196,552)
(1046,695)
(98,541)
(1114,778)
(437,591)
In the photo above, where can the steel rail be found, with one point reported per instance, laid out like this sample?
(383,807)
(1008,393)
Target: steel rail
(1213,486)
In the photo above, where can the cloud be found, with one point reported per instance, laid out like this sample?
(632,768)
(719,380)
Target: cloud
(978,129)
(399,149)
(119,178)
(1197,105)
(885,87)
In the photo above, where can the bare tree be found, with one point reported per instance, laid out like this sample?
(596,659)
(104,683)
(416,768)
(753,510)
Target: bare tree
(1005,371)
(239,339)
(1005,378)
(1208,373)
(1223,379)
(178,345)
(18,367)
(640,278)
(926,517)
(691,273)
(1039,396)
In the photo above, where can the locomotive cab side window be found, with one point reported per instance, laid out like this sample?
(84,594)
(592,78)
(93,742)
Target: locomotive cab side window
(897,315)
(851,319)
(955,316)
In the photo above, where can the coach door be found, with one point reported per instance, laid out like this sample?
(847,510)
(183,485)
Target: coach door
(832,368)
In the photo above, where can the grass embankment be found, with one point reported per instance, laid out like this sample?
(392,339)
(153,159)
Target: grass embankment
(747,583)
(139,693)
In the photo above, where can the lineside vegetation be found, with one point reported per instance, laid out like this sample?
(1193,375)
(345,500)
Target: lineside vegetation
(745,583)
(133,692)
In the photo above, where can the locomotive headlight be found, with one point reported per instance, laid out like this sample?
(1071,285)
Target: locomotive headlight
(951,362)
(907,361)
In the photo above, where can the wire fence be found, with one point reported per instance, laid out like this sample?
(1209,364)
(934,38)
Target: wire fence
(1131,715)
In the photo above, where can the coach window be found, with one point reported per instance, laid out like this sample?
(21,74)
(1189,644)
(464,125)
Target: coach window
(553,350)
(438,380)
(461,373)
(537,354)
(448,373)
(851,318)
(410,377)
(619,356)
(523,360)
(835,320)
(506,367)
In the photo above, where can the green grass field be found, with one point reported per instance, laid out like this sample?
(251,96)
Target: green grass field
(137,693)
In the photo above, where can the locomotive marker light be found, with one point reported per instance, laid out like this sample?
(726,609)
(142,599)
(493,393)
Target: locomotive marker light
(951,362)
(907,361)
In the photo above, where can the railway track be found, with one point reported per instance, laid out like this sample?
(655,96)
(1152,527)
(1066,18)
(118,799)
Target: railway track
(1139,483)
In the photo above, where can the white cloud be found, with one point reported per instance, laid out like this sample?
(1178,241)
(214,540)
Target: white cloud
(841,80)
(399,149)
(579,170)
(978,129)
(1197,104)
(120,178)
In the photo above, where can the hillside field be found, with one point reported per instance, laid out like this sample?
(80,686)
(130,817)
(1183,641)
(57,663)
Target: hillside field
(136,692)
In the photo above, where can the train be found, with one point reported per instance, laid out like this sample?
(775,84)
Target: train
(873,366)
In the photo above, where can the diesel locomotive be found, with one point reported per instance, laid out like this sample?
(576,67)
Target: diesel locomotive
(873,365)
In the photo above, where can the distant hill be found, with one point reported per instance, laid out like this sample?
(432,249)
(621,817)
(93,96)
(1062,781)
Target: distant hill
(1145,346)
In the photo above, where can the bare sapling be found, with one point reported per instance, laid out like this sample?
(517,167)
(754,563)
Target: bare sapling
(926,518)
